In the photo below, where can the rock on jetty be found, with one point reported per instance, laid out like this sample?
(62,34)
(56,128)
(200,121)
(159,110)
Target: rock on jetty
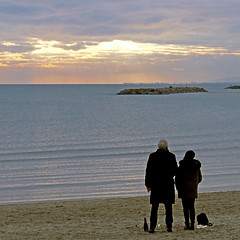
(233,87)
(166,90)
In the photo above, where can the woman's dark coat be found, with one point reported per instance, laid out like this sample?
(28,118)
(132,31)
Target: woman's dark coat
(161,168)
(188,177)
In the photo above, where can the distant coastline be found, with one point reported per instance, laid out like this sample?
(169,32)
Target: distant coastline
(233,87)
(158,91)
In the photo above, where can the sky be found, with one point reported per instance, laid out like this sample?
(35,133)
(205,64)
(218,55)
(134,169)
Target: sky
(114,42)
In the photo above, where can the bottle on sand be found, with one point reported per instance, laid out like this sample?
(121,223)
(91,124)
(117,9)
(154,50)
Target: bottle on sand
(145,225)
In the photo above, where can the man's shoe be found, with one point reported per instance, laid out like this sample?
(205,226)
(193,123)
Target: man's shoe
(191,228)
(169,229)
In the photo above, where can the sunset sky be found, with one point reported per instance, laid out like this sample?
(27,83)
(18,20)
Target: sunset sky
(107,41)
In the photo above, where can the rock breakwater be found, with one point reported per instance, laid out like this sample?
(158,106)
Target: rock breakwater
(157,91)
(233,87)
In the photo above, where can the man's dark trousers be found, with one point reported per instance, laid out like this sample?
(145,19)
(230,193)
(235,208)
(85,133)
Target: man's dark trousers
(154,214)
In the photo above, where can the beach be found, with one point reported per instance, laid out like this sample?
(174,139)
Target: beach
(117,218)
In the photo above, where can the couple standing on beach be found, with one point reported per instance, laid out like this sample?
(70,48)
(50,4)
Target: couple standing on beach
(159,179)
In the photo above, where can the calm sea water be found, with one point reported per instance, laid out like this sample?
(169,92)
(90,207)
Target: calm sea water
(68,142)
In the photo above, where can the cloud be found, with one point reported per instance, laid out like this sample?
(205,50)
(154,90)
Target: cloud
(178,69)
(174,21)
(120,35)
(20,47)
(41,53)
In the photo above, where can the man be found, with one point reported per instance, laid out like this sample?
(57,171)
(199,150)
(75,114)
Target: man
(160,171)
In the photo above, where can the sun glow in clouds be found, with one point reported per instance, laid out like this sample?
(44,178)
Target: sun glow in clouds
(120,46)
(50,54)
(47,48)
(8,44)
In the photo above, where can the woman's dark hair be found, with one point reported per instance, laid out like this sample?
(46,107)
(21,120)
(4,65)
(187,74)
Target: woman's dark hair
(189,155)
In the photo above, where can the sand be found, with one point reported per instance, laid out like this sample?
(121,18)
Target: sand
(117,218)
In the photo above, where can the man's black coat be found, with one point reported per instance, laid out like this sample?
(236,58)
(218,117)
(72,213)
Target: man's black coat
(160,172)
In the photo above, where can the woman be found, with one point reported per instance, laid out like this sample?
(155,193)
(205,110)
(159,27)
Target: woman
(187,179)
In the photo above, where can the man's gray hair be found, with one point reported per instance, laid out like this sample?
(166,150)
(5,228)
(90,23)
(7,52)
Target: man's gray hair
(162,144)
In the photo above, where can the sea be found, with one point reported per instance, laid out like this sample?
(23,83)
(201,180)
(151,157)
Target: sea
(76,142)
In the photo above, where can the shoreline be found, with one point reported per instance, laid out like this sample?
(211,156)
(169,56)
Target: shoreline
(117,218)
(100,198)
